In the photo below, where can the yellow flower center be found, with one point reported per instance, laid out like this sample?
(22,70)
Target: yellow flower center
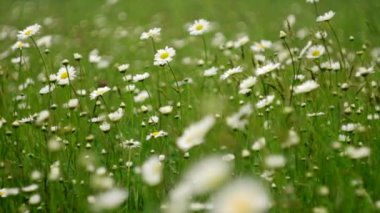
(316,53)
(20,44)
(164,55)
(64,75)
(155,134)
(28,32)
(199,27)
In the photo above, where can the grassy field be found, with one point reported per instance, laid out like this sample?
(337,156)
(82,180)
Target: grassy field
(231,107)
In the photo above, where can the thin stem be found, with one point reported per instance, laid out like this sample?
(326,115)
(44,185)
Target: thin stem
(294,71)
(205,48)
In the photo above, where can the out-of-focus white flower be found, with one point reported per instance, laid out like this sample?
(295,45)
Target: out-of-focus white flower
(28,32)
(117,115)
(240,119)
(259,144)
(267,68)
(264,102)
(151,171)
(306,87)
(275,161)
(35,199)
(108,200)
(166,109)
(326,17)
(210,72)
(357,152)
(241,196)
(153,33)
(231,72)
(156,134)
(140,77)
(261,46)
(195,133)
(246,85)
(99,92)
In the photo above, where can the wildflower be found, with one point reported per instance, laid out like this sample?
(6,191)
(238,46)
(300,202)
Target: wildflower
(241,41)
(326,17)
(156,134)
(166,109)
(199,27)
(231,72)
(261,46)
(35,199)
(259,144)
(28,32)
(164,56)
(210,72)
(357,153)
(306,87)
(195,133)
(20,45)
(141,96)
(241,196)
(363,71)
(246,85)
(99,92)
(267,68)
(108,200)
(117,115)
(42,116)
(312,1)
(240,119)
(315,52)
(151,171)
(65,75)
(140,77)
(153,33)
(275,161)
(123,68)
(266,101)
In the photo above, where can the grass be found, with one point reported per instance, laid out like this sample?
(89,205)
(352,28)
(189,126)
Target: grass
(327,169)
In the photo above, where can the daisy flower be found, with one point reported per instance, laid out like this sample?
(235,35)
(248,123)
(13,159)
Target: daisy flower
(28,32)
(199,27)
(306,87)
(266,101)
(108,200)
(242,196)
(326,17)
(315,52)
(164,56)
(166,109)
(151,171)
(140,77)
(65,75)
(195,133)
(152,33)
(261,46)
(230,72)
(210,72)
(123,68)
(246,85)
(312,1)
(156,134)
(267,68)
(99,92)
(20,45)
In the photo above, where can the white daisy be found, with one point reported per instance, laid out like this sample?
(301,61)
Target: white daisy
(153,33)
(151,171)
(315,52)
(306,87)
(210,72)
(20,45)
(99,92)
(164,56)
(326,17)
(267,68)
(65,75)
(199,27)
(195,133)
(266,101)
(231,71)
(261,46)
(156,134)
(28,32)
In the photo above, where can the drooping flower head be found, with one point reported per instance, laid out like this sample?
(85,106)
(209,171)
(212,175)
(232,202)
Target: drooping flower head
(99,92)
(153,33)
